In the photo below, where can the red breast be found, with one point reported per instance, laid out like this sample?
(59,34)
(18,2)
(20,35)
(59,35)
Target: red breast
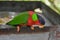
(30,21)
(37,22)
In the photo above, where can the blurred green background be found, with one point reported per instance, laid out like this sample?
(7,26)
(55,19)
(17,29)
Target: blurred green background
(53,4)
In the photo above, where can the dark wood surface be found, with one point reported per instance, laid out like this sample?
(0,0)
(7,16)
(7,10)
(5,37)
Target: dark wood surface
(25,30)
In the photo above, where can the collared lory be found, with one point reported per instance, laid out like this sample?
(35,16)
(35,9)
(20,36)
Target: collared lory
(29,18)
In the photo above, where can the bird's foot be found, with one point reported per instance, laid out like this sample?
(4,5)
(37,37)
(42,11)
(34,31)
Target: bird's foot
(32,27)
(41,26)
(18,28)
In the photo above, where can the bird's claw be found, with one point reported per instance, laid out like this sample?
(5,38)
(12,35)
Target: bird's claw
(32,27)
(41,26)
(18,28)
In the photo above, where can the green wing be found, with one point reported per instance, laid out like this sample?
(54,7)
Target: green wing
(19,19)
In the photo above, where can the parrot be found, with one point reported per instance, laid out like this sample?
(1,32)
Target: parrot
(27,18)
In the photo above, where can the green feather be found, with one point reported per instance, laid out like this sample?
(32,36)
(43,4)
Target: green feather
(34,17)
(19,19)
